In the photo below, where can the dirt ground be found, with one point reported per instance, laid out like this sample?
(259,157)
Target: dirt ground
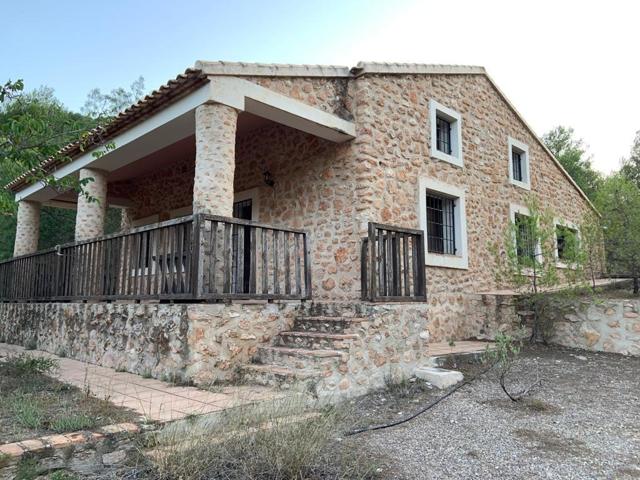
(583,422)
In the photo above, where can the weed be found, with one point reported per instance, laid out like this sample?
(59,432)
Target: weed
(28,411)
(27,469)
(5,459)
(25,364)
(72,423)
(146,373)
(279,440)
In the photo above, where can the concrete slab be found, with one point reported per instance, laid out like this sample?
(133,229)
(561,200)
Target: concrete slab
(439,377)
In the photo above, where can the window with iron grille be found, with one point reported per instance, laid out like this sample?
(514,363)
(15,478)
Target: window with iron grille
(441,233)
(565,241)
(517,164)
(525,243)
(443,134)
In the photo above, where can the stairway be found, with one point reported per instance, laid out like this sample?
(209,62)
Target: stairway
(315,348)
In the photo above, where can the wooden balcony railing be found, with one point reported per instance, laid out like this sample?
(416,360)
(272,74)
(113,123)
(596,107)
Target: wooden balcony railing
(199,257)
(393,266)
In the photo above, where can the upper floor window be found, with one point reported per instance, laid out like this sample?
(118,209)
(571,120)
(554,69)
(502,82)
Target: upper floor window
(519,164)
(443,135)
(446,133)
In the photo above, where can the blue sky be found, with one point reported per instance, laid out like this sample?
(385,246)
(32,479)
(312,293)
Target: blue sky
(570,62)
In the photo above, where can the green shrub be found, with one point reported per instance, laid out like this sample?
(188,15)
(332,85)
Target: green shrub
(25,364)
(28,411)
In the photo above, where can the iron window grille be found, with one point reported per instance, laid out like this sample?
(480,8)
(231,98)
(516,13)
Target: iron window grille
(443,135)
(441,230)
(518,170)
(525,243)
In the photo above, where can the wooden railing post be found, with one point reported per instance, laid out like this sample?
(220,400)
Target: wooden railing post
(197,268)
(373,262)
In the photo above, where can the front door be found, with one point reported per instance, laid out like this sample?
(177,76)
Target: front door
(242,266)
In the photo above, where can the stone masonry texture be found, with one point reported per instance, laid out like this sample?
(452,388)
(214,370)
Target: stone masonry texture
(27,228)
(334,190)
(215,159)
(91,211)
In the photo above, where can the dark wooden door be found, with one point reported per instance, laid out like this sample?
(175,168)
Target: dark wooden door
(244,211)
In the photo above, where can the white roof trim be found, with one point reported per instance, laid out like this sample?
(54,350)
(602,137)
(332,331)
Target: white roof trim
(270,69)
(363,68)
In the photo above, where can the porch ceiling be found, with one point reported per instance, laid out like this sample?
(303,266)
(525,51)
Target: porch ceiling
(176,122)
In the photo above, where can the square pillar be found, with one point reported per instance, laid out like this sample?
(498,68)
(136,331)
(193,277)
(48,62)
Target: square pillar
(91,212)
(215,159)
(27,228)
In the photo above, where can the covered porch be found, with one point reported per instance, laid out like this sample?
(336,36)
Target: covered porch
(200,216)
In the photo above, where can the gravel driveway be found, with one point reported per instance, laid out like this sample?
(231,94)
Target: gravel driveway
(584,422)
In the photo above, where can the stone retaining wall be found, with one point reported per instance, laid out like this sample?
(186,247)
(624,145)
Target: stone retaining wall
(197,342)
(610,325)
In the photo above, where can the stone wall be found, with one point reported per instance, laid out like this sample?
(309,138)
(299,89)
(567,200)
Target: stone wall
(333,190)
(610,325)
(198,342)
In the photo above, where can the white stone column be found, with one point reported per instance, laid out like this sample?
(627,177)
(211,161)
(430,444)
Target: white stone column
(91,212)
(27,228)
(215,159)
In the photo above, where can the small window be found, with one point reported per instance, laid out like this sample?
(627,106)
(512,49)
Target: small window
(525,243)
(516,158)
(441,229)
(443,135)
(446,133)
(566,242)
(519,164)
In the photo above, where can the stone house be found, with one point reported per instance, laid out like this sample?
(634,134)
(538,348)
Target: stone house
(285,221)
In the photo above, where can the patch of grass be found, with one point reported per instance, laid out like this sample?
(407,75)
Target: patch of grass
(28,411)
(72,423)
(280,440)
(5,458)
(27,469)
(25,364)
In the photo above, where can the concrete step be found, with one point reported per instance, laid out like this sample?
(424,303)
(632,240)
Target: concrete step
(316,340)
(300,358)
(276,375)
(439,377)
(327,324)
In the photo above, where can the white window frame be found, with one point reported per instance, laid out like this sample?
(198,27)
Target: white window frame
(524,148)
(461,259)
(564,223)
(436,109)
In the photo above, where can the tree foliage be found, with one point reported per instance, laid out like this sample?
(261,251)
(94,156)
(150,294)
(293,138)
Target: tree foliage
(619,203)
(573,156)
(527,262)
(33,127)
(631,166)
(105,106)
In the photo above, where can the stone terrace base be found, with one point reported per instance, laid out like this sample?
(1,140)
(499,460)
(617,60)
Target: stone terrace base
(206,343)
(612,325)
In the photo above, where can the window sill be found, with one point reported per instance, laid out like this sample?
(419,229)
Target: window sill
(447,261)
(565,266)
(452,159)
(525,185)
